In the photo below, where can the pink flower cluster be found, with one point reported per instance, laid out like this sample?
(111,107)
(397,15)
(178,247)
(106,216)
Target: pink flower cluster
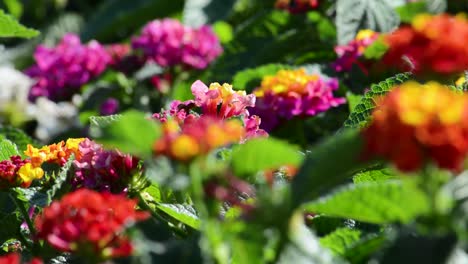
(349,54)
(169,43)
(293,93)
(218,101)
(102,170)
(62,70)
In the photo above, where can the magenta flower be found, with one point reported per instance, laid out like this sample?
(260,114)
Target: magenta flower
(102,170)
(109,107)
(62,70)
(169,43)
(293,93)
(349,54)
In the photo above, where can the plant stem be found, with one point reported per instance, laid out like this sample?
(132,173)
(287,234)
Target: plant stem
(25,213)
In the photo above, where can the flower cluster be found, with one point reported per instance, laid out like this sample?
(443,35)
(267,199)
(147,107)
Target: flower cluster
(349,54)
(296,6)
(169,43)
(292,93)
(18,172)
(61,71)
(197,137)
(102,170)
(54,153)
(415,123)
(433,44)
(89,223)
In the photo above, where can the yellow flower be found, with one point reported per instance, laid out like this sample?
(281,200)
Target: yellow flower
(28,173)
(286,81)
(364,34)
(185,147)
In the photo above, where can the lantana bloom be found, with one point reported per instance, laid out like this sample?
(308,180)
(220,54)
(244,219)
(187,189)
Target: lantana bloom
(435,44)
(415,123)
(349,54)
(54,153)
(17,172)
(61,71)
(293,93)
(296,6)
(197,137)
(89,223)
(102,170)
(15,258)
(169,43)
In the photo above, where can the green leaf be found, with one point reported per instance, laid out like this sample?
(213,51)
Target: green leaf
(15,7)
(362,250)
(362,112)
(262,154)
(224,31)
(353,15)
(103,121)
(31,196)
(7,149)
(329,163)
(373,176)
(126,16)
(408,11)
(353,100)
(304,247)
(200,12)
(376,50)
(378,203)
(340,240)
(250,78)
(18,137)
(10,226)
(132,133)
(183,213)
(60,180)
(9,27)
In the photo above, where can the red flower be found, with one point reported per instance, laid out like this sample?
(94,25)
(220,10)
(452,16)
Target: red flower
(297,6)
(89,223)
(15,258)
(433,44)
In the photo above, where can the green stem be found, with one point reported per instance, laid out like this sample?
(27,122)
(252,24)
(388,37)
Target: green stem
(25,214)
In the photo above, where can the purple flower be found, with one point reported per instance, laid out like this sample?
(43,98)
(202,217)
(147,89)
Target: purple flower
(62,70)
(169,43)
(102,170)
(109,107)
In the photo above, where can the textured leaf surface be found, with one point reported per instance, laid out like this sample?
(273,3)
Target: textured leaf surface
(183,213)
(200,12)
(340,240)
(361,113)
(7,149)
(60,179)
(353,15)
(378,203)
(373,176)
(18,137)
(9,27)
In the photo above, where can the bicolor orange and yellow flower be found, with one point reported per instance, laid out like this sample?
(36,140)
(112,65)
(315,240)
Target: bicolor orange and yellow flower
(418,122)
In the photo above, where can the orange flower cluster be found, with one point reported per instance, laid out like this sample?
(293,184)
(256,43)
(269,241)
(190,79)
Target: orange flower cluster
(54,153)
(434,45)
(197,137)
(415,123)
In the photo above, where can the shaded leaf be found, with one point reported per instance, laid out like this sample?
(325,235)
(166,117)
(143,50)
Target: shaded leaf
(60,180)
(340,240)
